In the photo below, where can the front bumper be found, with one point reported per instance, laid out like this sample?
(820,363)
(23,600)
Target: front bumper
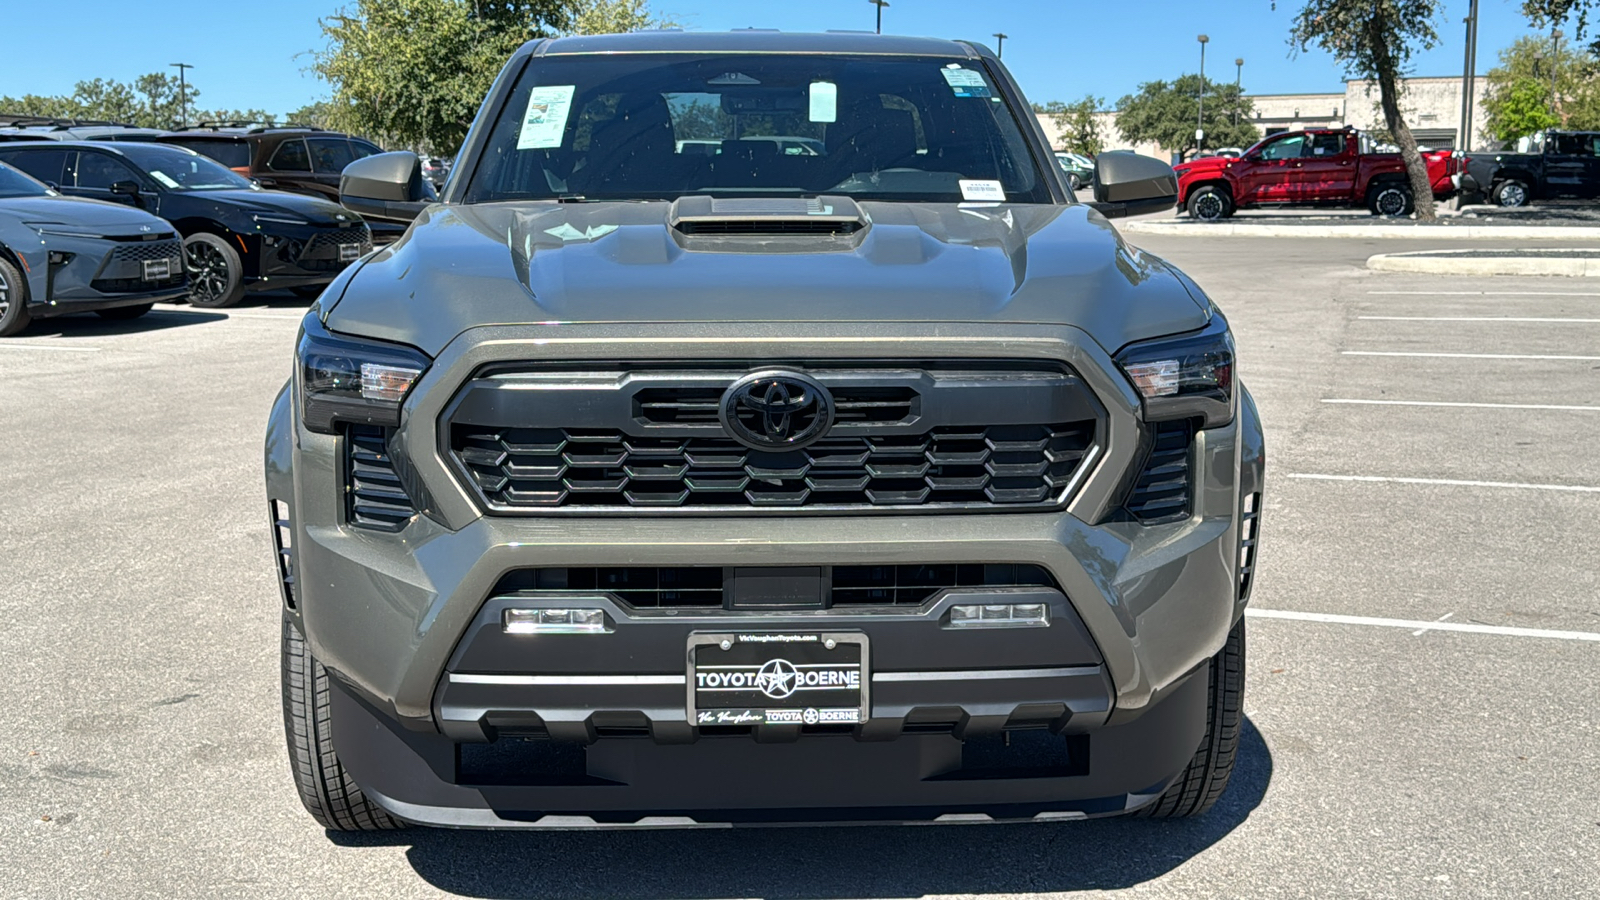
(1140,610)
(98,273)
(297,256)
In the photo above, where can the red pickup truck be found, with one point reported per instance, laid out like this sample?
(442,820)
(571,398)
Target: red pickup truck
(1321,167)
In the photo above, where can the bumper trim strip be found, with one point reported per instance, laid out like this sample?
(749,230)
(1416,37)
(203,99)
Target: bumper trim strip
(568,680)
(987,674)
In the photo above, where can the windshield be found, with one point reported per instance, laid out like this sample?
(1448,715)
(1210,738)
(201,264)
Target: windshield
(176,170)
(14,184)
(657,127)
(233,154)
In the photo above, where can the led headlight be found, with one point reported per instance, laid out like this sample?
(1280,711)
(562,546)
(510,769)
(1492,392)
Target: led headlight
(58,229)
(259,218)
(352,379)
(1185,376)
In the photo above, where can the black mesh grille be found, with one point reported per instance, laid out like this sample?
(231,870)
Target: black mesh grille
(321,253)
(375,496)
(545,468)
(702,587)
(1162,492)
(172,250)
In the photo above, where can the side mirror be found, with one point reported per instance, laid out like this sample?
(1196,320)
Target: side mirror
(1127,184)
(385,186)
(125,188)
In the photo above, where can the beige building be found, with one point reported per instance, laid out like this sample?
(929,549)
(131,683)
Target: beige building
(1432,106)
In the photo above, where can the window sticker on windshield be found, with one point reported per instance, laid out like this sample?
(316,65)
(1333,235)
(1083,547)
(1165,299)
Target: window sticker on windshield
(824,101)
(982,191)
(164,178)
(966,82)
(546,119)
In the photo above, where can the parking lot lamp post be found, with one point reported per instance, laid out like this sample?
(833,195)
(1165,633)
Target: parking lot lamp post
(1555,64)
(1238,79)
(183,95)
(1000,48)
(880,4)
(1200,117)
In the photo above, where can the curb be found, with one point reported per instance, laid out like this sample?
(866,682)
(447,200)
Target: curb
(1446,263)
(1431,232)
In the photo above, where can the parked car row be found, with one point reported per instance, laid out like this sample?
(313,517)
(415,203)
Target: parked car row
(225,234)
(1550,165)
(1318,167)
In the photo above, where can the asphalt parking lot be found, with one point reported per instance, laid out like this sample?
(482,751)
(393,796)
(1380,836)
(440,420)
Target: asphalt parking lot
(1431,460)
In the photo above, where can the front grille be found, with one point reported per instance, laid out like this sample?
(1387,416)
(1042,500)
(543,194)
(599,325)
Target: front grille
(375,497)
(1162,491)
(172,250)
(698,405)
(707,587)
(543,468)
(321,253)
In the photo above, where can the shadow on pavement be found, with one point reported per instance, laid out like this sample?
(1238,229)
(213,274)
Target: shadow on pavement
(89,325)
(828,862)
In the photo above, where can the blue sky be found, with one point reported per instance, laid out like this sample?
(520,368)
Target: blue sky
(255,56)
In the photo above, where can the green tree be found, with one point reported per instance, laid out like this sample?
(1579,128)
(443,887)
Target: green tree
(1375,39)
(1165,113)
(1521,99)
(1076,122)
(612,17)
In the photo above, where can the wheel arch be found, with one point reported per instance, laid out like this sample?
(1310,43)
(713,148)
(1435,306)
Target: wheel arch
(1221,184)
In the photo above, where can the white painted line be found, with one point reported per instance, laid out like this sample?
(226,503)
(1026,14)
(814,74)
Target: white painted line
(1421,631)
(248,315)
(1449,482)
(1473,319)
(1485,293)
(64,348)
(1465,405)
(1469,628)
(1470,355)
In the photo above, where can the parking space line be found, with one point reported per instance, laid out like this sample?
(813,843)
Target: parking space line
(1466,627)
(1470,355)
(64,348)
(1485,293)
(1545,406)
(1448,482)
(1422,631)
(1474,319)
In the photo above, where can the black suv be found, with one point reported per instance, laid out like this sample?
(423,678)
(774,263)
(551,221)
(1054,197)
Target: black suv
(236,236)
(299,159)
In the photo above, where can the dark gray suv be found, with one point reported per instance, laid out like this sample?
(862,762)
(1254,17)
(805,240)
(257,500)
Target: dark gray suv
(759,431)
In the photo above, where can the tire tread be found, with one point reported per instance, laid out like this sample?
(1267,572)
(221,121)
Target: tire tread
(1201,784)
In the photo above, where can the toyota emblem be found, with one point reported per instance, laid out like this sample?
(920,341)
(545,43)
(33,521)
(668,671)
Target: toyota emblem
(776,410)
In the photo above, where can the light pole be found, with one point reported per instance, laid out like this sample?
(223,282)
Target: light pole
(1000,49)
(1555,63)
(1468,81)
(1200,118)
(183,98)
(1238,96)
(880,4)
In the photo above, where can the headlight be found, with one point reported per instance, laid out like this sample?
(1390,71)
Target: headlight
(60,230)
(278,220)
(1190,375)
(352,380)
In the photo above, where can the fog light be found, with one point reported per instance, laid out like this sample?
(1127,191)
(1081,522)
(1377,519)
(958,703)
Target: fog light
(555,621)
(57,258)
(1000,615)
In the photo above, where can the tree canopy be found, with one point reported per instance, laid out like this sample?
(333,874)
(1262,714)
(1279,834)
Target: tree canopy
(1076,121)
(1520,101)
(149,101)
(1166,113)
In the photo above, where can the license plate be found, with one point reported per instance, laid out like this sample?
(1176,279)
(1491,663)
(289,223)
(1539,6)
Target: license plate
(778,678)
(157,269)
(349,252)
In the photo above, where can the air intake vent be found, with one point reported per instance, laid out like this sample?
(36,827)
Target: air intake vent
(753,227)
(283,543)
(757,216)
(1249,534)
(376,498)
(1162,492)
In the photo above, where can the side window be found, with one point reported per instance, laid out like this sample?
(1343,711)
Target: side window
(290,156)
(1573,145)
(362,149)
(329,156)
(1327,145)
(1288,148)
(98,171)
(44,165)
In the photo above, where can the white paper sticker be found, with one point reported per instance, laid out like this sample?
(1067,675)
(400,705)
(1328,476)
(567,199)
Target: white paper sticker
(983,191)
(164,178)
(966,82)
(824,101)
(546,119)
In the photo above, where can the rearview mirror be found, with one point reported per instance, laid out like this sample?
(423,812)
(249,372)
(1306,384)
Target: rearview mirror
(385,186)
(1127,184)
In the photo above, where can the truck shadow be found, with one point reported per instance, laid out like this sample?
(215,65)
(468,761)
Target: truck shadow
(829,862)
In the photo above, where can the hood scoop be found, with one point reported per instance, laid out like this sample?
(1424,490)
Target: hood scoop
(766,217)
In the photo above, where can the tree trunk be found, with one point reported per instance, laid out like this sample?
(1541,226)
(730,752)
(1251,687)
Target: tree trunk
(1389,96)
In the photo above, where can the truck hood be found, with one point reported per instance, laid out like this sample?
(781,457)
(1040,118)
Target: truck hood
(111,219)
(1204,166)
(553,264)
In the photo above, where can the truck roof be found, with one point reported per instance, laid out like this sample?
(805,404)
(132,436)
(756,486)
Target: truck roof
(752,40)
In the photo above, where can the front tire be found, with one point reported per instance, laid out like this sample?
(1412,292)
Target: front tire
(326,789)
(14,315)
(1210,204)
(1511,193)
(1391,199)
(124,313)
(216,277)
(1202,783)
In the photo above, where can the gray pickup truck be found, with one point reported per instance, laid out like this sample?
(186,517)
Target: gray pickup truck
(662,476)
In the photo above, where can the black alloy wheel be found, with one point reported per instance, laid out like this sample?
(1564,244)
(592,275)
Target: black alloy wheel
(215,277)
